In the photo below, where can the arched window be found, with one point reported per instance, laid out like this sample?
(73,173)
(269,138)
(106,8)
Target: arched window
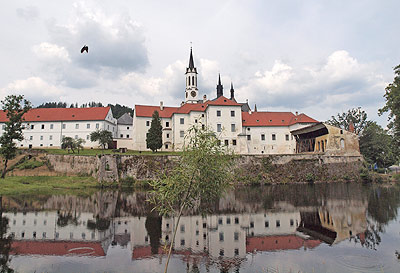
(342,143)
(189,80)
(193,81)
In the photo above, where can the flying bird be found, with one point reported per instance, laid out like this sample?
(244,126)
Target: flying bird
(85,48)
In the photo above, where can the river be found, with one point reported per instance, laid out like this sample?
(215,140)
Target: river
(287,228)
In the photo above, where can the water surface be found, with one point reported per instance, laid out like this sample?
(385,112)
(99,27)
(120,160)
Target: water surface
(288,228)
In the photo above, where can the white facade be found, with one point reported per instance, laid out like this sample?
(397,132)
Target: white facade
(49,133)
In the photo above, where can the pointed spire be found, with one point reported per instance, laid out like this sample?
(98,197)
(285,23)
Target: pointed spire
(191,62)
(232,92)
(220,88)
(255,107)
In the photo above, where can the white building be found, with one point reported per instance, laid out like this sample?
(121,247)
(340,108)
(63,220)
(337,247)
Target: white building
(45,127)
(242,130)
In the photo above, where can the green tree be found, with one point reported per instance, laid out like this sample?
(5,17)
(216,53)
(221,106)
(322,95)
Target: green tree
(104,137)
(376,145)
(392,96)
(154,135)
(201,175)
(68,143)
(5,242)
(79,144)
(15,107)
(355,115)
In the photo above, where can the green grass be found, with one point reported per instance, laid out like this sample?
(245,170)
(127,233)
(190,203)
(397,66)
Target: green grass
(93,152)
(16,185)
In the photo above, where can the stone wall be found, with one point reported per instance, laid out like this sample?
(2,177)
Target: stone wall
(249,169)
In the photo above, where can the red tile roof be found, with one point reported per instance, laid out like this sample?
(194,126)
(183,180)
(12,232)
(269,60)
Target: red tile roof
(280,242)
(274,119)
(62,114)
(167,112)
(55,248)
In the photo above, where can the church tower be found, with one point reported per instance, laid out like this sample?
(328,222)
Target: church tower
(191,92)
(220,88)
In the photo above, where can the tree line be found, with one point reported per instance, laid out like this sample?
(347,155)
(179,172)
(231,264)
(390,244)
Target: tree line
(117,109)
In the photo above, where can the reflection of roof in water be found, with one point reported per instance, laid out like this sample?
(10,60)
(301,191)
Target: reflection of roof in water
(61,248)
(280,242)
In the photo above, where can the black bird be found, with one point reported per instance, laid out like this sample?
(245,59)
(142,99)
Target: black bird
(85,48)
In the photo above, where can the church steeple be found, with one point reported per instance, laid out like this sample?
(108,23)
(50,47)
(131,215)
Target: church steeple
(220,88)
(191,92)
(232,92)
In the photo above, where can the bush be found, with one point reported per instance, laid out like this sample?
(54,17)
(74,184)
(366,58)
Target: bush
(365,175)
(310,177)
(397,177)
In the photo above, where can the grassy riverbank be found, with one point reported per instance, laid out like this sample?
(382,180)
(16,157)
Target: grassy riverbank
(12,185)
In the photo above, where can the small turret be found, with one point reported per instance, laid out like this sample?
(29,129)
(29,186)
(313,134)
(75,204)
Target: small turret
(220,88)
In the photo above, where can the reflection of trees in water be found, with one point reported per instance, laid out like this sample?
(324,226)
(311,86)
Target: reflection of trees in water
(153,228)
(66,218)
(100,224)
(5,242)
(383,204)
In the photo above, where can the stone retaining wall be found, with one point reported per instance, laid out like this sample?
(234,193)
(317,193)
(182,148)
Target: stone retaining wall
(249,169)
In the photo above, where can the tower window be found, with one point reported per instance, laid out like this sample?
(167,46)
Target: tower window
(167,124)
(232,113)
(193,80)
(189,80)
(218,113)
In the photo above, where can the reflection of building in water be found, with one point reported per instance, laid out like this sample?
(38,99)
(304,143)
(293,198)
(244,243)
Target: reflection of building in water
(55,233)
(227,236)
(336,221)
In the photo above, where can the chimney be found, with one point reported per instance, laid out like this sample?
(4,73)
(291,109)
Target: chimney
(250,112)
(204,98)
(297,113)
(182,103)
(161,105)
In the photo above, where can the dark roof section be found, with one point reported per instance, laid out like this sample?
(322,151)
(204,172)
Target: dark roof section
(245,106)
(125,119)
(191,62)
(220,88)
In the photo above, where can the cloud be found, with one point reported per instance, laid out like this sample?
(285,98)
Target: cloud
(340,81)
(115,42)
(48,51)
(34,89)
(28,13)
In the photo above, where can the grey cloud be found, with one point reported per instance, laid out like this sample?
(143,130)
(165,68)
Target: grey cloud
(28,13)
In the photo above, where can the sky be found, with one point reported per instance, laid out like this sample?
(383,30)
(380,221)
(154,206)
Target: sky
(312,56)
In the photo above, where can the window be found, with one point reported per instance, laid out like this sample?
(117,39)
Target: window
(121,135)
(182,242)
(44,235)
(42,126)
(234,142)
(195,121)
(182,120)
(342,143)
(127,136)
(41,137)
(232,113)
(219,127)
(181,133)
(287,137)
(87,137)
(76,136)
(221,252)
(236,220)
(4,127)
(226,142)
(202,115)
(248,137)
(291,222)
(251,224)
(166,146)
(64,125)
(97,126)
(108,127)
(77,126)
(228,220)
(127,128)
(221,236)
(233,127)
(166,124)
(167,135)
(218,113)
(262,137)
(266,224)
(236,251)
(32,126)
(31,138)
(278,223)
(220,221)
(236,236)
(183,228)
(273,136)
(51,126)
(203,127)
(50,137)
(88,126)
